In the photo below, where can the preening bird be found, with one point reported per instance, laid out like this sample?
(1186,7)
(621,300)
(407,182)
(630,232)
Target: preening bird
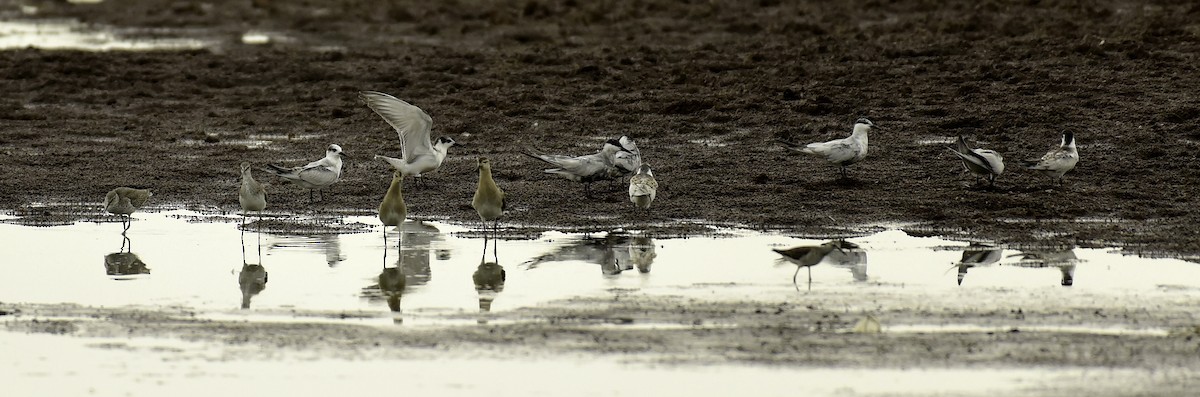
(314,175)
(124,201)
(584,169)
(807,257)
(419,155)
(982,162)
(643,187)
(842,152)
(626,161)
(489,200)
(1057,162)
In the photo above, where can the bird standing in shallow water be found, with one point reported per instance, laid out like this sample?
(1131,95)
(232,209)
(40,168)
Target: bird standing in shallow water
(392,210)
(643,187)
(419,156)
(489,201)
(982,162)
(1057,162)
(843,152)
(124,201)
(252,196)
(314,175)
(807,257)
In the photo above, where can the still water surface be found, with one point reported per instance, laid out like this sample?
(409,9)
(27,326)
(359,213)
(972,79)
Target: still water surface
(180,258)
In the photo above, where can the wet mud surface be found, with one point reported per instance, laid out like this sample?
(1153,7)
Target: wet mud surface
(704,88)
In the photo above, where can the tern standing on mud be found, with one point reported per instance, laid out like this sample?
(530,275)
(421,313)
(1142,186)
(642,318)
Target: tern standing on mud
(843,152)
(643,187)
(412,125)
(584,169)
(489,201)
(124,201)
(315,175)
(1057,162)
(982,162)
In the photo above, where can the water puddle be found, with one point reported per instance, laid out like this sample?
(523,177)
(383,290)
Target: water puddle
(180,258)
(60,34)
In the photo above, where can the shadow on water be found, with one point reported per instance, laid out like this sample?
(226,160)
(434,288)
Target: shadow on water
(615,252)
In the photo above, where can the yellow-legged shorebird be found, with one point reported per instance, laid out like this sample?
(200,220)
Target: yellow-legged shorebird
(124,201)
(643,187)
(392,210)
(807,257)
(489,201)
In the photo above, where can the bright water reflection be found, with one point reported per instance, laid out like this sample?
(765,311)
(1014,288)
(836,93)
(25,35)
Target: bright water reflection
(55,34)
(170,261)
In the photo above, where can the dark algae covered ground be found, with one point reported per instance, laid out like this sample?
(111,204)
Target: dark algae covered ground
(705,87)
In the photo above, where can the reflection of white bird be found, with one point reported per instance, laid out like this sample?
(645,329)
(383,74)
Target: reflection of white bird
(124,201)
(1057,162)
(641,253)
(412,125)
(977,255)
(1064,259)
(843,152)
(643,187)
(982,162)
(584,169)
(806,257)
(314,175)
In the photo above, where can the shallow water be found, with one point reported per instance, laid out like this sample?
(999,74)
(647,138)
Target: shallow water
(64,34)
(180,258)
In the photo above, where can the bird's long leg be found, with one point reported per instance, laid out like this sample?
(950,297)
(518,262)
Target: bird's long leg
(496,227)
(483,258)
(258,232)
(794,283)
(810,278)
(385,247)
(243,237)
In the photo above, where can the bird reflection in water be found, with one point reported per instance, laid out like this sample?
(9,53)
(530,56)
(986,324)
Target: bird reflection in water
(489,281)
(251,280)
(328,243)
(837,252)
(616,252)
(977,255)
(419,239)
(124,264)
(1064,259)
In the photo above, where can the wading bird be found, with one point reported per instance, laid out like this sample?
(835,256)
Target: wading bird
(252,196)
(806,257)
(1057,162)
(419,156)
(392,210)
(488,202)
(982,162)
(124,201)
(842,152)
(315,175)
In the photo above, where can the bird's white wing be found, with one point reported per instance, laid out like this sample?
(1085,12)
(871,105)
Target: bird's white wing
(1054,160)
(411,123)
(835,151)
(319,176)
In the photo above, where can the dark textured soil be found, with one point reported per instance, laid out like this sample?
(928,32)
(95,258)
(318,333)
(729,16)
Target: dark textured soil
(705,87)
